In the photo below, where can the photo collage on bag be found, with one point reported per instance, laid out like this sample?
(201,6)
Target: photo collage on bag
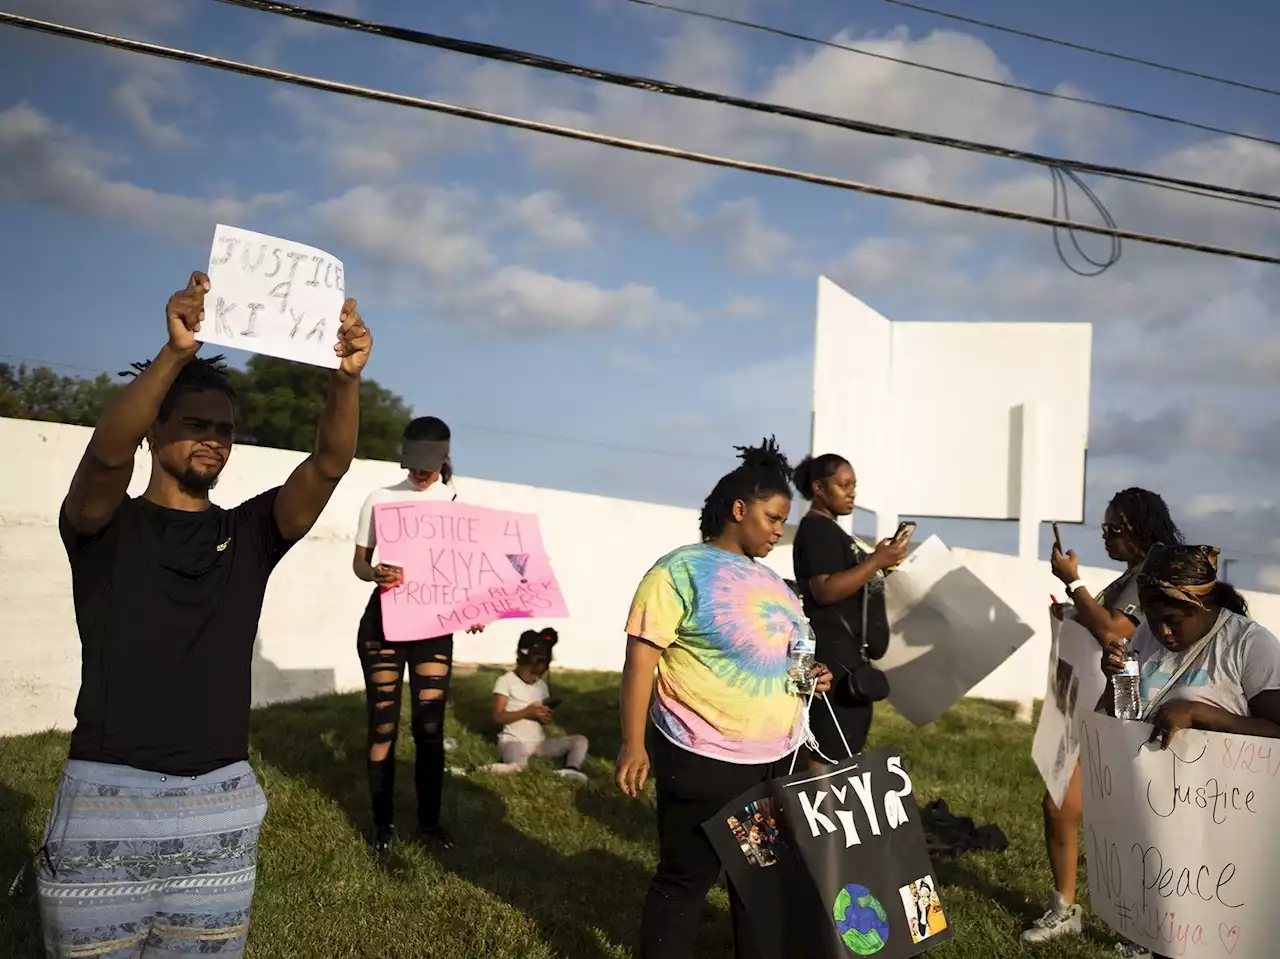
(757,829)
(923,908)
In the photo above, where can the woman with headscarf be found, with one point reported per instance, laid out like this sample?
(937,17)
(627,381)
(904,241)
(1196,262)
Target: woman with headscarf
(1135,521)
(718,626)
(1203,663)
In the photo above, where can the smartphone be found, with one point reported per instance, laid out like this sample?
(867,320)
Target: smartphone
(905,531)
(1057,539)
(553,703)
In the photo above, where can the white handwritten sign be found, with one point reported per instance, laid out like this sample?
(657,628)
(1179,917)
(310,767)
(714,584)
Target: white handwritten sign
(1181,842)
(1075,685)
(273,296)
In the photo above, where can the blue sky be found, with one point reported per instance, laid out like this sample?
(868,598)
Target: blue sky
(603,322)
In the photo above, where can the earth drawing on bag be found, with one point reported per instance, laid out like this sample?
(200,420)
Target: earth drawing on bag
(860,919)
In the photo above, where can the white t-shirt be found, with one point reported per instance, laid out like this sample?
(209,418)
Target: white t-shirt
(402,492)
(1239,659)
(519,695)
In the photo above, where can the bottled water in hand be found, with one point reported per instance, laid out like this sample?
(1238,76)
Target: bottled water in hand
(800,662)
(1125,684)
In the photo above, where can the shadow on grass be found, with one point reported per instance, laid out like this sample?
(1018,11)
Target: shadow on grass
(580,902)
(20,923)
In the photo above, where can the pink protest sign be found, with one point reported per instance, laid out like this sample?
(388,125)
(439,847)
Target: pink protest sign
(463,566)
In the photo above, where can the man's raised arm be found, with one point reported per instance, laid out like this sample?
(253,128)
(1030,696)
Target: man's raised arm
(102,478)
(307,491)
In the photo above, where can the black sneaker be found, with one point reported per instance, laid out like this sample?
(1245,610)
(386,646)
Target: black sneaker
(384,837)
(438,836)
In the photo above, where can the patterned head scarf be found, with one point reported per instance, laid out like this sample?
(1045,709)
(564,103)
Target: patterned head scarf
(1186,574)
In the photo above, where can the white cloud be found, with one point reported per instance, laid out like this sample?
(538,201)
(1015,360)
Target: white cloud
(43,164)
(138,18)
(750,245)
(149,84)
(433,244)
(546,218)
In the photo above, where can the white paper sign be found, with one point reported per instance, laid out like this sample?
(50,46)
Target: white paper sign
(1181,842)
(947,632)
(273,296)
(1073,689)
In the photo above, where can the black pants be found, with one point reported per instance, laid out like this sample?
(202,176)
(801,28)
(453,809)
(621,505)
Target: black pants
(691,789)
(384,667)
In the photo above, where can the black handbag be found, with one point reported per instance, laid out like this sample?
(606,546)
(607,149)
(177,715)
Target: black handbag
(864,683)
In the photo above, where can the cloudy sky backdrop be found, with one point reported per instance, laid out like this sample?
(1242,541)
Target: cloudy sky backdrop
(599,321)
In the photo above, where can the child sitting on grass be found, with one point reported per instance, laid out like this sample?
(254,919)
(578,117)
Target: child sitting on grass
(522,705)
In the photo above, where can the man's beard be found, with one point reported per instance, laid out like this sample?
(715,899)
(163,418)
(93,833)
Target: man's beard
(194,483)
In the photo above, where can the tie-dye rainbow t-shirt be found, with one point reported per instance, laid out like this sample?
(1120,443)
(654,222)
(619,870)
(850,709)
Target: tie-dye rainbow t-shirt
(725,624)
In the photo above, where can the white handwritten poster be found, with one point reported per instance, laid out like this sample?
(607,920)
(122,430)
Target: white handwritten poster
(947,631)
(1181,842)
(1073,689)
(273,296)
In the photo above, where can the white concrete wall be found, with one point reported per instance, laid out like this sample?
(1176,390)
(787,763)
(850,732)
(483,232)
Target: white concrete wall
(600,548)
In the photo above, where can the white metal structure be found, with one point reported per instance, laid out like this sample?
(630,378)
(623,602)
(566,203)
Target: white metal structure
(969,420)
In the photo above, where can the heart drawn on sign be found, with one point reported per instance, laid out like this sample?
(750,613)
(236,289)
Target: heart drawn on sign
(1230,936)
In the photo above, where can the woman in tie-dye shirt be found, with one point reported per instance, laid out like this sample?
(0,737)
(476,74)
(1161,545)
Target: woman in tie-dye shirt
(718,626)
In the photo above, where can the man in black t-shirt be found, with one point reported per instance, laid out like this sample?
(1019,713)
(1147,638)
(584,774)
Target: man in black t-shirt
(153,839)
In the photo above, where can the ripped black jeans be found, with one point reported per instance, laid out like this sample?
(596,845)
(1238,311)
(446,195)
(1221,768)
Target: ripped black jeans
(429,663)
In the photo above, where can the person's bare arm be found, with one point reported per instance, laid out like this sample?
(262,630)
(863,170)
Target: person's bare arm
(631,770)
(382,574)
(503,717)
(307,491)
(1108,626)
(102,478)
(830,588)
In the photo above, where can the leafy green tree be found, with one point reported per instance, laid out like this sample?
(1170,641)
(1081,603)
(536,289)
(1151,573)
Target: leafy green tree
(279,404)
(38,393)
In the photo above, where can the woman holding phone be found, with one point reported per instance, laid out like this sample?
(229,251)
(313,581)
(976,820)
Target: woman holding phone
(424,454)
(842,586)
(1135,521)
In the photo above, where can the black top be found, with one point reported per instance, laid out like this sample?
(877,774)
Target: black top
(821,546)
(167,602)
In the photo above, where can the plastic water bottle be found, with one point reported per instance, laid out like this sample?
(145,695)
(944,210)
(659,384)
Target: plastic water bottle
(1128,696)
(800,662)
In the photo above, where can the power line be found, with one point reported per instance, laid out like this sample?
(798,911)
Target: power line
(536,61)
(1082,47)
(637,146)
(1002,84)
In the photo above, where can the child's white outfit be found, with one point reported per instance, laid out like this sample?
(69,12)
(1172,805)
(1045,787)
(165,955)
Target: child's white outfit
(523,739)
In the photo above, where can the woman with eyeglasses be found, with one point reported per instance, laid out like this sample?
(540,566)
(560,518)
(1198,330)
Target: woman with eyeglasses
(1203,663)
(1134,522)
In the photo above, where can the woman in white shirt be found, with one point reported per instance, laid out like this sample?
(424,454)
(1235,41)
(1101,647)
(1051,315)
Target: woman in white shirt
(1203,663)
(429,661)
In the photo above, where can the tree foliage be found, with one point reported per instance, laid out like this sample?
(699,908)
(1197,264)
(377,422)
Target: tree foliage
(279,404)
(38,393)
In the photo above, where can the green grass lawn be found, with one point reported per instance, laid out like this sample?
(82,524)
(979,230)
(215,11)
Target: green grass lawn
(543,868)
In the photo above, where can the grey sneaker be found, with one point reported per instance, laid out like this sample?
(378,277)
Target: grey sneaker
(1131,950)
(577,775)
(1059,920)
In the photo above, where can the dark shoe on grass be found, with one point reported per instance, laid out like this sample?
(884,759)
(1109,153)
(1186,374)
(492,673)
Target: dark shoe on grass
(384,837)
(438,836)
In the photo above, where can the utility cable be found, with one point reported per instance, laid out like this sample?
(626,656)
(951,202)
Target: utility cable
(538,62)
(637,146)
(987,25)
(1002,84)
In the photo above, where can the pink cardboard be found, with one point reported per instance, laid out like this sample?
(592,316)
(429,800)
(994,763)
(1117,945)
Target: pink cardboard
(463,566)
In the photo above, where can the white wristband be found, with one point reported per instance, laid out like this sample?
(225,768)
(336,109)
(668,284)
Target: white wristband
(1074,585)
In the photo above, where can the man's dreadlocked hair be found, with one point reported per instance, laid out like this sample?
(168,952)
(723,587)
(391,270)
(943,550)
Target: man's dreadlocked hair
(198,375)
(1146,518)
(764,472)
